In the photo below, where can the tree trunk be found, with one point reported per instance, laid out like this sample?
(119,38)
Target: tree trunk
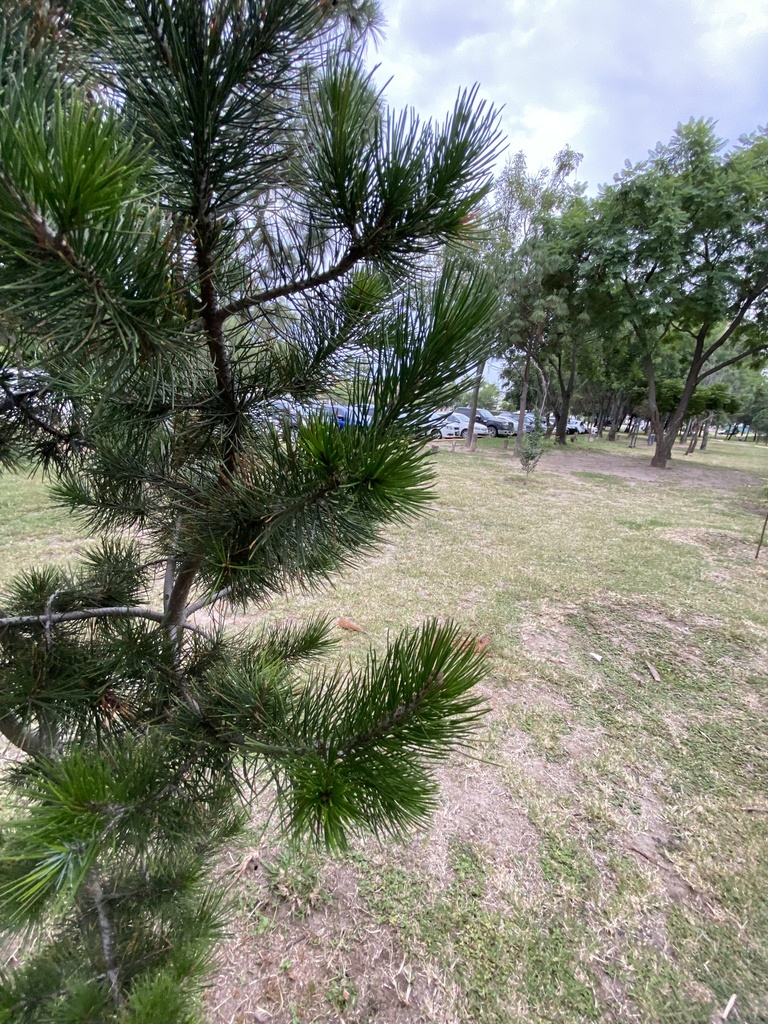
(705,435)
(561,427)
(762,536)
(634,430)
(694,435)
(566,392)
(523,403)
(663,452)
(616,419)
(471,439)
(666,433)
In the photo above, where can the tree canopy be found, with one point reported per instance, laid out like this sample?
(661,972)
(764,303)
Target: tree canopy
(523,216)
(676,252)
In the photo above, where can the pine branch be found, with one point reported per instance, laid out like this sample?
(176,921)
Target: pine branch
(352,256)
(21,736)
(206,602)
(81,615)
(177,601)
(107,941)
(389,724)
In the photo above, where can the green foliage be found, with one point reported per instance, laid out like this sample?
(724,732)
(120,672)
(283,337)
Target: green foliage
(210,222)
(523,257)
(675,256)
(488,397)
(531,451)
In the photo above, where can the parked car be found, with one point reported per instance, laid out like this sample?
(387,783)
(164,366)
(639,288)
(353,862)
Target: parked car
(442,425)
(32,393)
(576,426)
(496,427)
(348,415)
(462,422)
(282,409)
(513,418)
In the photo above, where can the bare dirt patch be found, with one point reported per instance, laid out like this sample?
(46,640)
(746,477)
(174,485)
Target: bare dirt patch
(323,957)
(548,637)
(636,469)
(329,962)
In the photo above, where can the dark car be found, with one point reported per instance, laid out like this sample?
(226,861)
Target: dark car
(496,427)
(349,415)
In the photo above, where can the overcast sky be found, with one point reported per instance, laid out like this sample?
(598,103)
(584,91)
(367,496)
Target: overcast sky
(609,77)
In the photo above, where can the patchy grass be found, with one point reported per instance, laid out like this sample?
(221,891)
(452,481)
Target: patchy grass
(602,855)
(32,530)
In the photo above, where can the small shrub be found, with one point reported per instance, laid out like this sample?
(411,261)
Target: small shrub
(531,451)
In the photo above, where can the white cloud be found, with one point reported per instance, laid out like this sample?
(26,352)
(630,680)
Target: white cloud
(535,128)
(608,77)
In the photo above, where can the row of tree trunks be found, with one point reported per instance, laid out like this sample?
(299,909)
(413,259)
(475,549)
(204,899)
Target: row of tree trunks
(618,412)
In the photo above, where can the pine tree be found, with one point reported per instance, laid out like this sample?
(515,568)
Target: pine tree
(531,450)
(210,222)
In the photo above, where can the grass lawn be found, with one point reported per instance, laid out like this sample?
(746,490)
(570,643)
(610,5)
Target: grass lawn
(601,855)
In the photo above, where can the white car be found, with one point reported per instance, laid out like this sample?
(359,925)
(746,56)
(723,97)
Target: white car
(461,423)
(576,426)
(442,426)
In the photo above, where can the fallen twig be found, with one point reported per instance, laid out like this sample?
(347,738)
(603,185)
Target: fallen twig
(729,1006)
(654,672)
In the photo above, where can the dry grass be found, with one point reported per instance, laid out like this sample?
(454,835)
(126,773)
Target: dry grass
(602,858)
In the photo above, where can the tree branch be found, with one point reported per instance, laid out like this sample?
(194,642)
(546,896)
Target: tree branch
(753,351)
(206,602)
(20,735)
(107,941)
(242,305)
(434,682)
(736,322)
(84,614)
(53,618)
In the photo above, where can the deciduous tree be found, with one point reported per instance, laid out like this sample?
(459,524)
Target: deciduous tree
(677,249)
(520,256)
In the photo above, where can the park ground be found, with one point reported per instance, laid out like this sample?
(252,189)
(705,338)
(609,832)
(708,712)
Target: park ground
(599,854)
